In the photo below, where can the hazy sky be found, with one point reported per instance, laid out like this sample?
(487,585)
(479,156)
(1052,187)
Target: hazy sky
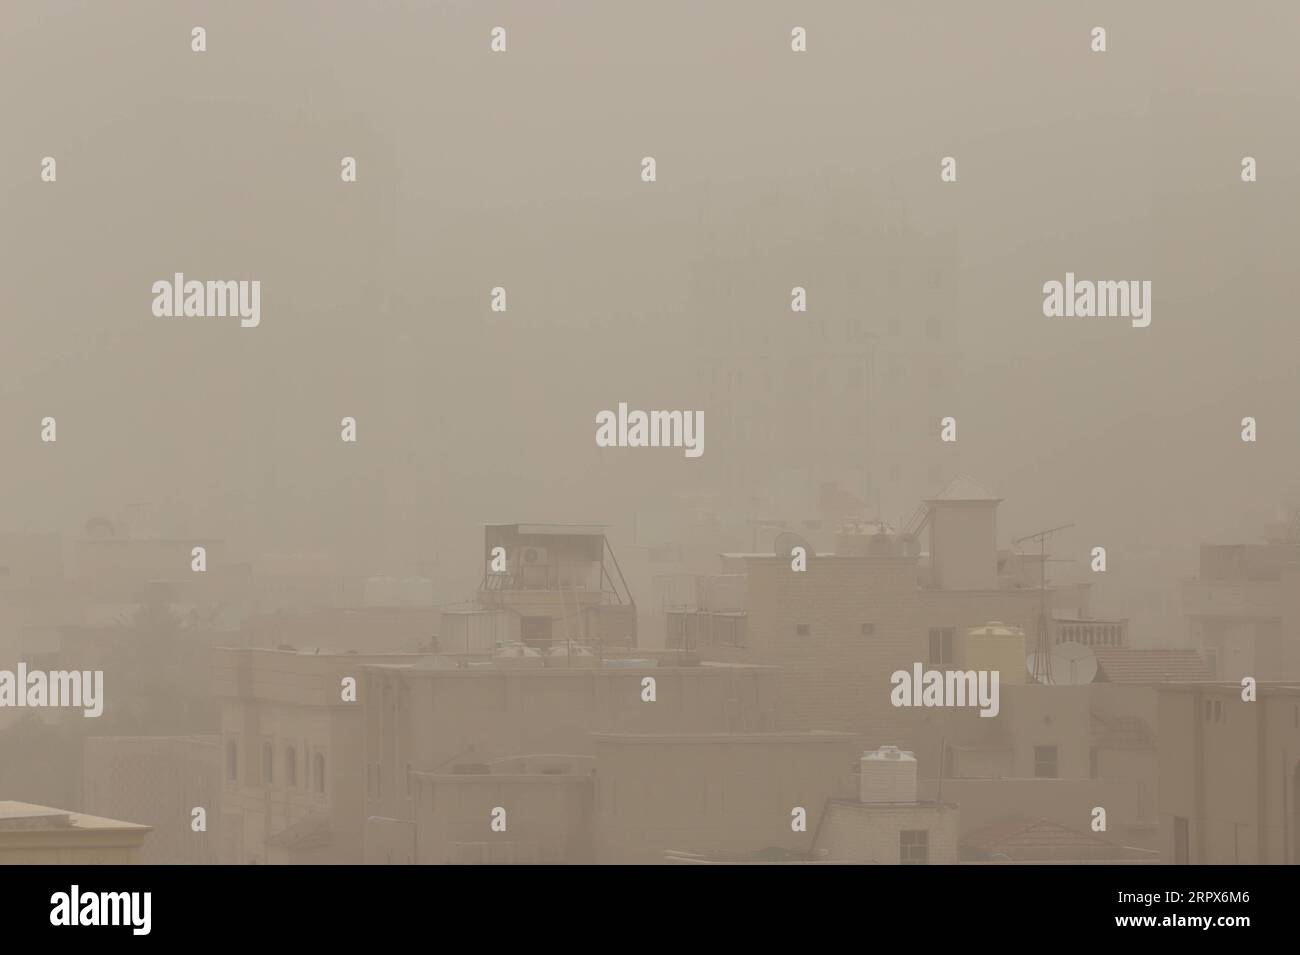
(522,170)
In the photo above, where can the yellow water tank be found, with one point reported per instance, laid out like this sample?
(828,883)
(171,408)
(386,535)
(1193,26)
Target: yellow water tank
(996,646)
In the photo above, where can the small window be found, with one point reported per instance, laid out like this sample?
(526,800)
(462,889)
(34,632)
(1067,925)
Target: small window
(1045,762)
(268,764)
(318,772)
(408,780)
(914,847)
(868,629)
(941,646)
(291,767)
(803,629)
(1218,711)
(1209,711)
(232,760)
(1094,763)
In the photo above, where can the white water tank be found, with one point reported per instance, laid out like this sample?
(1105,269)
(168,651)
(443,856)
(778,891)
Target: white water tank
(888,775)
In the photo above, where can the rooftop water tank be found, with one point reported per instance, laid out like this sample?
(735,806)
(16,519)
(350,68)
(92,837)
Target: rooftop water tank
(996,646)
(888,775)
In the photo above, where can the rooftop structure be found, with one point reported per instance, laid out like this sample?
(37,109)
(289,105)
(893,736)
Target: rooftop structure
(562,581)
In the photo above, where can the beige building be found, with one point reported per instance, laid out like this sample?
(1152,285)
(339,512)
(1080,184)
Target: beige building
(920,833)
(39,835)
(1229,774)
(448,716)
(562,581)
(160,781)
(838,630)
(658,794)
(1053,753)
(523,810)
(292,763)
(1243,609)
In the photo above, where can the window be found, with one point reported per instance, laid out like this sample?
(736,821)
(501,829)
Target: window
(232,760)
(803,629)
(914,847)
(868,629)
(941,646)
(318,772)
(268,764)
(408,780)
(1045,762)
(1218,711)
(1209,711)
(291,767)
(1094,763)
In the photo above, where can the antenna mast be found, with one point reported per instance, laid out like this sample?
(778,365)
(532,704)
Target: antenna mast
(1042,644)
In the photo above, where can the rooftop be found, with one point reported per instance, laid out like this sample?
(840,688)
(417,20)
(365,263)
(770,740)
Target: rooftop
(1131,665)
(558,529)
(25,816)
(1021,837)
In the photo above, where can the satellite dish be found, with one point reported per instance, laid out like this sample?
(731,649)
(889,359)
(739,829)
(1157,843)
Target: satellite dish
(786,542)
(1072,664)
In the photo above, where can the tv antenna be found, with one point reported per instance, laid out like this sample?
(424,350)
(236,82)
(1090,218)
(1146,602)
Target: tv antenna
(1041,668)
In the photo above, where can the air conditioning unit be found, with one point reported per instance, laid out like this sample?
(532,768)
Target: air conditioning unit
(533,555)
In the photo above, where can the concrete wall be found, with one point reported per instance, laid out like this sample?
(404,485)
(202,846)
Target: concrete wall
(430,720)
(714,792)
(859,833)
(1230,770)
(964,545)
(548,819)
(835,677)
